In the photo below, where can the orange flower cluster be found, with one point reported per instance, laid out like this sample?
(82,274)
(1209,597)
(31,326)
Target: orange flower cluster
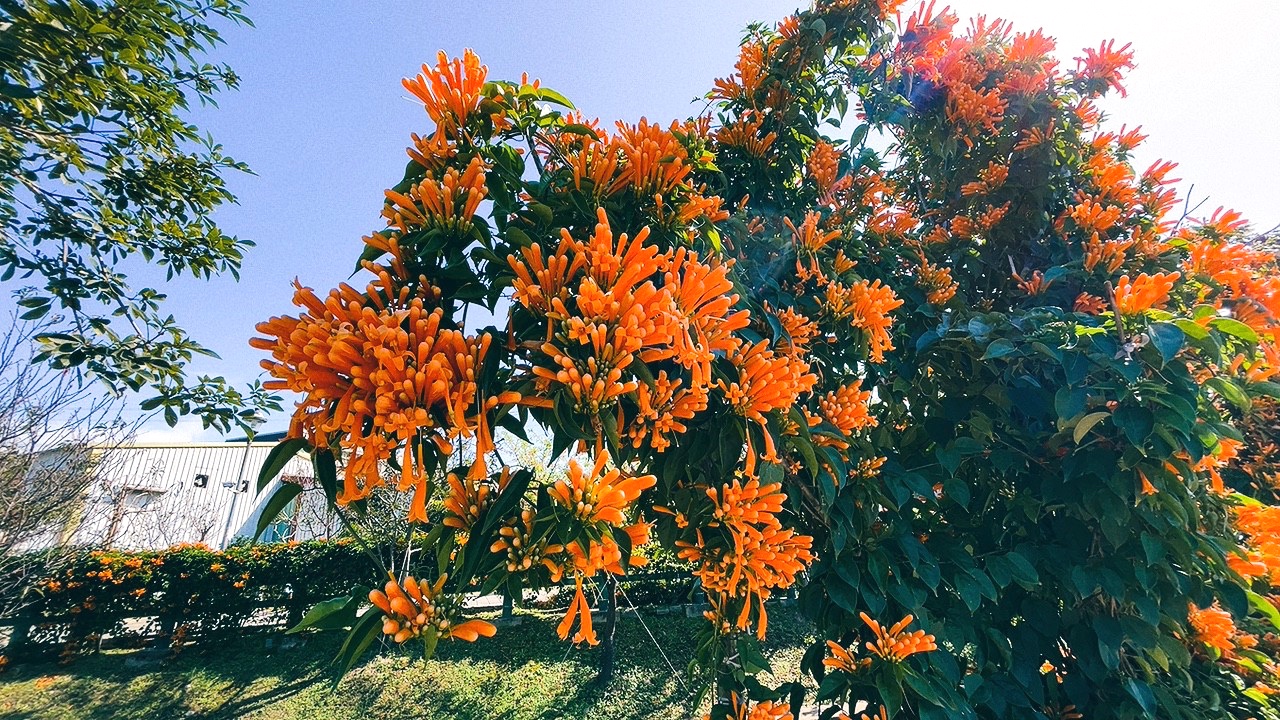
(468,497)
(449,203)
(608,301)
(843,659)
(415,609)
(759,555)
(1259,525)
(866,306)
(451,91)
(894,644)
(766,382)
(377,370)
(823,165)
(1213,626)
(1144,292)
(936,281)
(745,134)
(847,409)
(599,496)
(523,553)
(742,709)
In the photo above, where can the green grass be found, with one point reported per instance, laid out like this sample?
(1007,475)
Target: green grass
(524,673)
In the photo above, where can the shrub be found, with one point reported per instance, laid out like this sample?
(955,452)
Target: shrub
(983,381)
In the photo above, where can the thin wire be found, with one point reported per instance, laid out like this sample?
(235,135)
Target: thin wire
(674,673)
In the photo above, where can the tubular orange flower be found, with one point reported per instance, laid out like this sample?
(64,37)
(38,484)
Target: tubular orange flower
(599,496)
(846,409)
(1213,626)
(823,165)
(936,281)
(1144,292)
(842,659)
(741,709)
(654,160)
(413,609)
(766,382)
(1108,254)
(744,133)
(451,91)
(808,239)
(579,610)
(1104,68)
(866,306)
(449,203)
(894,644)
(523,554)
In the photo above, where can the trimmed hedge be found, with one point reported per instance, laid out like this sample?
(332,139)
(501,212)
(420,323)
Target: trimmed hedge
(184,592)
(190,592)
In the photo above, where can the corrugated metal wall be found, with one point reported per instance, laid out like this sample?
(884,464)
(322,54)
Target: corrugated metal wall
(148,496)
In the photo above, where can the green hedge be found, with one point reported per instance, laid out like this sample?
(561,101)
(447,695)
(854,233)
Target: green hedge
(190,592)
(184,592)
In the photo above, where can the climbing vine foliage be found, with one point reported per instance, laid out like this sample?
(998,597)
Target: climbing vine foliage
(895,324)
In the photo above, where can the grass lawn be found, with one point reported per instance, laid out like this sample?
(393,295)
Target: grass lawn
(524,672)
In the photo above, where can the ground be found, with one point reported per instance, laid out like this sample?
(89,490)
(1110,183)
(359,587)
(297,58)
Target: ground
(524,673)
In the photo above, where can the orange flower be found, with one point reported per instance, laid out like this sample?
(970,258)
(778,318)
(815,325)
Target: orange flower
(1145,292)
(653,160)
(893,644)
(842,659)
(744,134)
(451,91)
(746,81)
(759,556)
(823,165)
(662,405)
(414,609)
(766,382)
(808,239)
(846,409)
(1109,254)
(866,306)
(523,553)
(448,204)
(1092,217)
(580,610)
(1103,68)
(741,709)
(1213,626)
(599,496)
(936,281)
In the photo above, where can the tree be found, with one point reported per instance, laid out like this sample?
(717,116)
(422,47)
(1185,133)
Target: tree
(56,439)
(981,395)
(98,169)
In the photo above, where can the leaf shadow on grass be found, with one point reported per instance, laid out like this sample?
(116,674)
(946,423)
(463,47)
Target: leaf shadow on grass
(525,673)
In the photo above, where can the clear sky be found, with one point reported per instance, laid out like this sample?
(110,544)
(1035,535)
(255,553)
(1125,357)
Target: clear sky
(323,121)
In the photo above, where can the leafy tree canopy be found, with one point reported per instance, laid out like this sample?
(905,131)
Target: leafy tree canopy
(98,170)
(999,412)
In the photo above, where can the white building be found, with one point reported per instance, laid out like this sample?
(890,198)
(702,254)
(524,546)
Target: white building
(150,496)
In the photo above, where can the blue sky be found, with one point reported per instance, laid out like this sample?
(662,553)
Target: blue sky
(323,121)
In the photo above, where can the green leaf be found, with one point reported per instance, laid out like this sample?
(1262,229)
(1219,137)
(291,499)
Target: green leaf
(1136,422)
(331,614)
(1086,424)
(1141,692)
(1230,392)
(277,503)
(1264,608)
(1235,328)
(279,456)
(998,349)
(362,635)
(326,467)
(1167,338)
